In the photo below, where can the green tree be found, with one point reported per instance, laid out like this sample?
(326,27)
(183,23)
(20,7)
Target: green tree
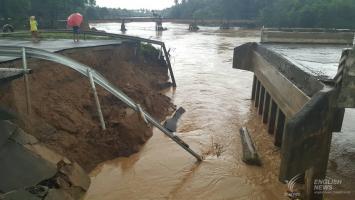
(13,11)
(48,12)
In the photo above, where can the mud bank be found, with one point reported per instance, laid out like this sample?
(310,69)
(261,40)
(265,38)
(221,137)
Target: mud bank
(64,116)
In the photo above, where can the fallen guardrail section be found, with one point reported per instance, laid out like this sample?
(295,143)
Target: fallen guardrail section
(8,74)
(94,77)
(114,36)
(300,111)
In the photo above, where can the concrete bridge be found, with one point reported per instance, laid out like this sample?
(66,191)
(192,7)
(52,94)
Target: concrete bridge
(300,110)
(183,21)
(219,22)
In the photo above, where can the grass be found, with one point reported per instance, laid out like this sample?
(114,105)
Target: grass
(149,51)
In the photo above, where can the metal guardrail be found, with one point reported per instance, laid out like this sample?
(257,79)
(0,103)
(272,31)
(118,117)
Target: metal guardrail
(8,74)
(95,33)
(95,77)
(112,35)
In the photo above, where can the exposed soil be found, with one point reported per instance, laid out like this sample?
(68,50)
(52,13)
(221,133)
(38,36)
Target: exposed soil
(64,115)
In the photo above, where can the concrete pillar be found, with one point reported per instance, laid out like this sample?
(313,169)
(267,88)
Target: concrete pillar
(272,116)
(319,169)
(338,119)
(266,107)
(123,26)
(279,127)
(306,142)
(261,100)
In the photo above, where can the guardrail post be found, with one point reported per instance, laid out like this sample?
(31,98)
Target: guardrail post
(137,48)
(160,54)
(169,65)
(27,84)
(98,106)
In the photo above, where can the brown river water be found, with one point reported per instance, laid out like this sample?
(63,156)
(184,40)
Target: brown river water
(217,100)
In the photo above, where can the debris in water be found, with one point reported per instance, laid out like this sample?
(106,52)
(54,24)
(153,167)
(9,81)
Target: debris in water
(250,156)
(171,124)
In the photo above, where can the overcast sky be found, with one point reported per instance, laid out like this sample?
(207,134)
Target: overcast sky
(135,4)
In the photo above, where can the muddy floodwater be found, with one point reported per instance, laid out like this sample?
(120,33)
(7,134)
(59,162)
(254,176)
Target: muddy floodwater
(217,100)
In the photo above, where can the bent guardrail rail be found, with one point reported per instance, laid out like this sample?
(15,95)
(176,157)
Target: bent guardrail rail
(116,36)
(301,111)
(8,74)
(95,77)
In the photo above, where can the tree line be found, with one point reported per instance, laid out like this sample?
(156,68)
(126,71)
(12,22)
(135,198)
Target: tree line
(53,13)
(95,12)
(215,9)
(271,13)
(49,13)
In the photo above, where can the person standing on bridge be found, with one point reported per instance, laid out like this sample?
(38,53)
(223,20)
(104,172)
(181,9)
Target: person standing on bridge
(76,31)
(34,29)
(74,21)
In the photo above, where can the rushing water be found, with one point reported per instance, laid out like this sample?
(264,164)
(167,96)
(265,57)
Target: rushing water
(217,100)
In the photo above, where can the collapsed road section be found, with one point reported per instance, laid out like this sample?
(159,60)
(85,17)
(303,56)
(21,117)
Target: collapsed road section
(94,77)
(30,170)
(58,106)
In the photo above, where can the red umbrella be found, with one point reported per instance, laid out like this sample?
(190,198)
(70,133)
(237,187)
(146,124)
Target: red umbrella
(75,19)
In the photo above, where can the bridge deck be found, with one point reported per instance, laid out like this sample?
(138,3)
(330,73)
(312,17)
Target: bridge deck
(317,60)
(55,45)
(183,21)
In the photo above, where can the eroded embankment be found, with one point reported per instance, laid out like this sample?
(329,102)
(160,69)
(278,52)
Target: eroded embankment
(64,115)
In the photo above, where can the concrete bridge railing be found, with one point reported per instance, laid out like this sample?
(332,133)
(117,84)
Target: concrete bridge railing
(301,112)
(307,36)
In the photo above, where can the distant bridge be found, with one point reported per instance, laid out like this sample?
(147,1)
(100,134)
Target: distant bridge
(235,22)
